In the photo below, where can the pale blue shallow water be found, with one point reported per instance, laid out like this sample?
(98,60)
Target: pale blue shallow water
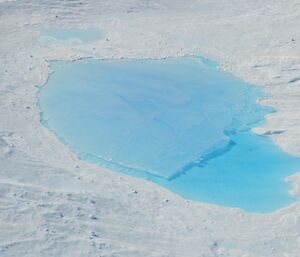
(69,35)
(181,123)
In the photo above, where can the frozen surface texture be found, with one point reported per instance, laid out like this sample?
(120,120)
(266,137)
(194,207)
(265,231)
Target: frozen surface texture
(53,204)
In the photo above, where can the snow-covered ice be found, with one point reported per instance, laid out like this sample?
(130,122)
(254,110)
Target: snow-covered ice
(54,204)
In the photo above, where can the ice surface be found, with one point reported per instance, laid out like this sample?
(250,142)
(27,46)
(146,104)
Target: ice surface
(39,181)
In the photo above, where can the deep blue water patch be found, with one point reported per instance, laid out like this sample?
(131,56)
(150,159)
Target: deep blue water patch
(182,123)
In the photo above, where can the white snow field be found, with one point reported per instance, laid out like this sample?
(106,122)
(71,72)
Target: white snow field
(54,204)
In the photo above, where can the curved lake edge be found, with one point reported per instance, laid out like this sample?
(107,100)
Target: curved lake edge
(131,171)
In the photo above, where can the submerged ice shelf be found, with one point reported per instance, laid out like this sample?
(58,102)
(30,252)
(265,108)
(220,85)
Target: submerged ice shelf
(170,121)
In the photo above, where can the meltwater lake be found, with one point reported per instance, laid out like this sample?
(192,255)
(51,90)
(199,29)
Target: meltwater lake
(180,122)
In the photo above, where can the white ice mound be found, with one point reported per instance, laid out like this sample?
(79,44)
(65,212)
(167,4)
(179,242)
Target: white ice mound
(5,148)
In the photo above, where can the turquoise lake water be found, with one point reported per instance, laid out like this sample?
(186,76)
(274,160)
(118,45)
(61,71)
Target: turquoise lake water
(54,35)
(181,123)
